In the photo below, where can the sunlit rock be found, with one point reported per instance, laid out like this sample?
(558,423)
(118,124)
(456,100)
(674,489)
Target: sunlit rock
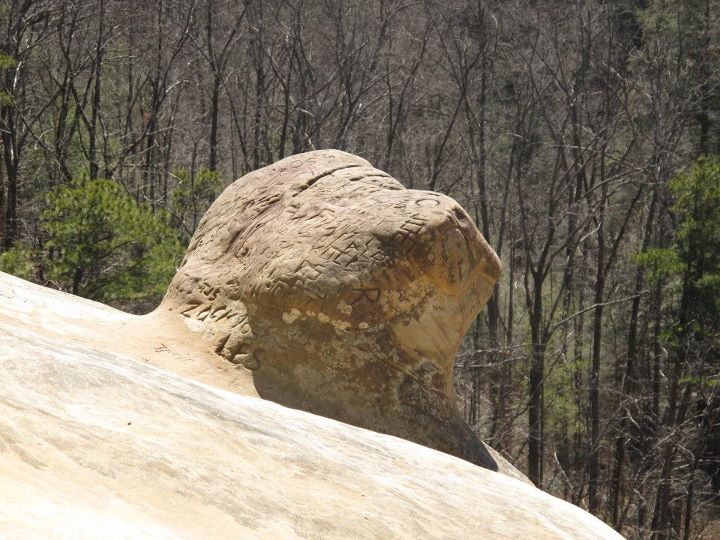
(97,441)
(344,293)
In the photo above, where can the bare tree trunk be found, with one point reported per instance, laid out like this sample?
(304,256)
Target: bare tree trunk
(703,115)
(536,403)
(92,131)
(662,520)
(2,204)
(11,167)
(593,461)
(214,108)
(217,56)
(628,383)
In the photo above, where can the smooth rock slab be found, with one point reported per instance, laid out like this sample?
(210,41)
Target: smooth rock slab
(95,442)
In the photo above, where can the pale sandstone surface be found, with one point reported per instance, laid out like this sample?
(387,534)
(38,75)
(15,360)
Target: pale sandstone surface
(344,293)
(96,442)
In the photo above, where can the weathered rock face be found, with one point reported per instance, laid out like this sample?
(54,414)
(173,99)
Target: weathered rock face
(344,293)
(97,442)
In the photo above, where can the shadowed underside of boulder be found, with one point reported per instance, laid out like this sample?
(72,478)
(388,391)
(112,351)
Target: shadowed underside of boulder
(96,442)
(345,294)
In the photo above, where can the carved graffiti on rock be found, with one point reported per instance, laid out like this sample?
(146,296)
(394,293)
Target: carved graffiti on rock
(345,293)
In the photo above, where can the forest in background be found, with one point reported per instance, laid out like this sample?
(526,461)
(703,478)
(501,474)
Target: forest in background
(582,135)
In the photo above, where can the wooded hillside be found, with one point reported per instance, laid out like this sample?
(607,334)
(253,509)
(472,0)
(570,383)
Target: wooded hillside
(582,135)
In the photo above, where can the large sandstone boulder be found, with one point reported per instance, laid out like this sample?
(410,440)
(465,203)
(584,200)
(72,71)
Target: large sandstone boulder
(345,294)
(96,441)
